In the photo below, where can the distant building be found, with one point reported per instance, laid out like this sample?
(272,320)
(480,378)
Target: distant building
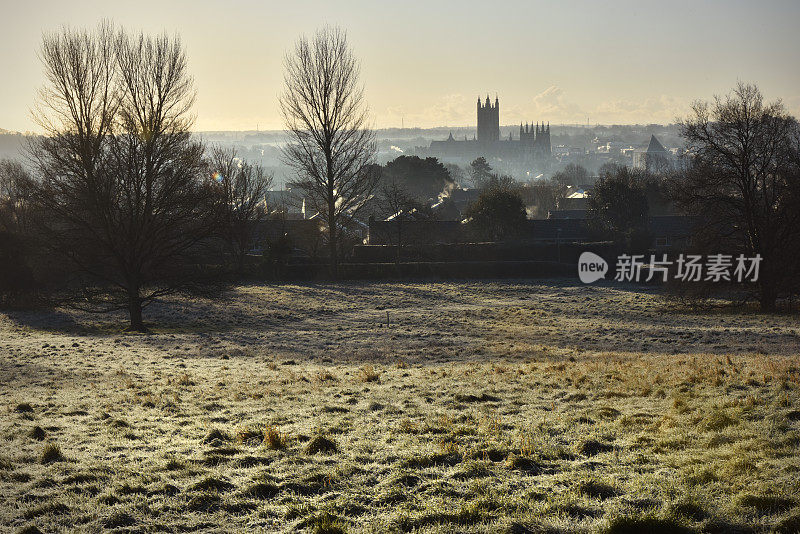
(532,145)
(654,158)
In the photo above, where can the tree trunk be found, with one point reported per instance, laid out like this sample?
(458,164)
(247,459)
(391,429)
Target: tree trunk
(334,248)
(135,311)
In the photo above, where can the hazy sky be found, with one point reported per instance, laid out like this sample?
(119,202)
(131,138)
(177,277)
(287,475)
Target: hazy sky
(425,62)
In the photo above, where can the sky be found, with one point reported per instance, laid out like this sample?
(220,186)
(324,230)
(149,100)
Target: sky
(424,63)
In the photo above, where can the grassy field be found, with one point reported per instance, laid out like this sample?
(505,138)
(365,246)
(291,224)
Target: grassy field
(395,407)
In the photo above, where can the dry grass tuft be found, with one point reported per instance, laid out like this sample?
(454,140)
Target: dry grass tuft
(368,373)
(250,434)
(325,523)
(50,453)
(592,447)
(211,483)
(718,419)
(648,524)
(262,490)
(275,440)
(216,434)
(119,520)
(766,504)
(37,433)
(321,444)
(597,490)
(23,407)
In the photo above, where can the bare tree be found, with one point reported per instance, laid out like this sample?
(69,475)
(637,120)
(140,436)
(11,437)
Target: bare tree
(332,146)
(744,181)
(126,191)
(398,203)
(572,175)
(244,189)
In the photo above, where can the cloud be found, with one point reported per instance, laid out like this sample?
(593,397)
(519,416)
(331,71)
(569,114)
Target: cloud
(552,104)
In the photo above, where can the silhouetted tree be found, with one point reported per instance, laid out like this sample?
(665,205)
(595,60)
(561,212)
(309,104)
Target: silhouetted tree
(16,275)
(423,178)
(572,175)
(497,214)
(544,196)
(244,188)
(617,210)
(125,193)
(744,181)
(398,203)
(479,171)
(332,146)
(16,186)
(501,181)
(456,173)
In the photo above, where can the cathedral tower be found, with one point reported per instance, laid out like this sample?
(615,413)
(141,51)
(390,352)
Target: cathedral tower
(488,121)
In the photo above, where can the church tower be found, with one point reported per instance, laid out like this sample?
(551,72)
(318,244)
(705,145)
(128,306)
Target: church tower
(488,121)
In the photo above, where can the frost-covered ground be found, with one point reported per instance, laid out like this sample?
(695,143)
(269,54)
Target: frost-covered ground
(481,406)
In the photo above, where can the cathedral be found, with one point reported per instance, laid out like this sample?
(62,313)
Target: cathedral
(532,145)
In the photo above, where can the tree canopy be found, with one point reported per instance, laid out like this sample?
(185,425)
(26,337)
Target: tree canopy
(618,209)
(422,178)
(743,180)
(497,214)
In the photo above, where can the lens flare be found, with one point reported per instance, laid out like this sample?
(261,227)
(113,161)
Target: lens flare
(217,176)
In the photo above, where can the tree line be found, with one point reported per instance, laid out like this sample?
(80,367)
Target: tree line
(121,205)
